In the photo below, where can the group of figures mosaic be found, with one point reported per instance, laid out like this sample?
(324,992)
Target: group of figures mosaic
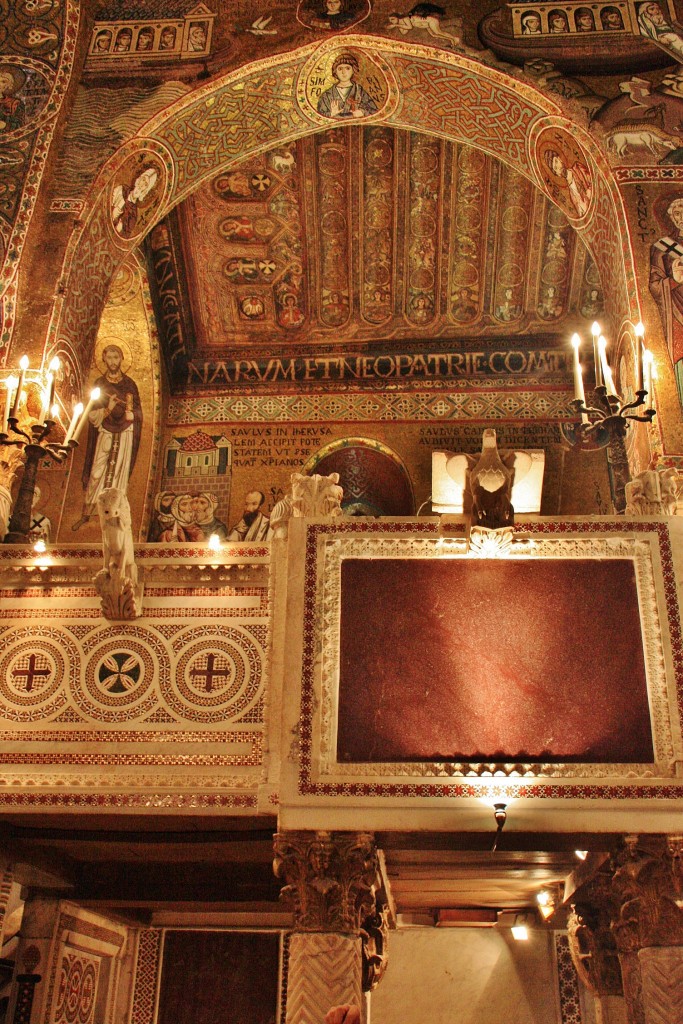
(187,37)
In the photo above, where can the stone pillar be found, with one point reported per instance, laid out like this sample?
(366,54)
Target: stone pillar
(648,927)
(338,949)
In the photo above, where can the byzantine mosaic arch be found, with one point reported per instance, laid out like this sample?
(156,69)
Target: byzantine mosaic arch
(39,42)
(259,107)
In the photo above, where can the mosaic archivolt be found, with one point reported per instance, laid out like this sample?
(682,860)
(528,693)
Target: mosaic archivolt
(48,53)
(254,109)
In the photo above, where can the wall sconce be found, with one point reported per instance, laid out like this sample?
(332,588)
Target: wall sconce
(520,930)
(500,814)
(609,417)
(546,904)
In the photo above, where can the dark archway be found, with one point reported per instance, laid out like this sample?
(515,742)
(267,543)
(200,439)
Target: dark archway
(374,478)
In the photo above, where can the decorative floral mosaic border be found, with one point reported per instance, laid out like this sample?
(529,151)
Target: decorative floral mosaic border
(526,403)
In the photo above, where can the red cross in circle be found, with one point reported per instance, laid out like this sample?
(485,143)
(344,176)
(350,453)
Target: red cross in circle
(31,673)
(210,673)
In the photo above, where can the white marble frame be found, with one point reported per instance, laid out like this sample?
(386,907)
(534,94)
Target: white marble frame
(642,548)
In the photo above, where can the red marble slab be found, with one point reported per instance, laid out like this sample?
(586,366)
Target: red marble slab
(493,660)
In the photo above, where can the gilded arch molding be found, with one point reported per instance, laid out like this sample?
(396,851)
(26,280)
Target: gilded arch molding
(264,105)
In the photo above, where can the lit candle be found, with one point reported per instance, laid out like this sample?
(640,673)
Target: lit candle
(54,366)
(74,420)
(607,373)
(94,397)
(595,331)
(640,335)
(647,361)
(10,385)
(44,404)
(23,367)
(579,393)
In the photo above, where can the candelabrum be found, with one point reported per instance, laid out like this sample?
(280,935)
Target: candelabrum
(30,436)
(608,417)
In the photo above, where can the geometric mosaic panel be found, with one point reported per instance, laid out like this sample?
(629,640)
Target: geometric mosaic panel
(76,996)
(568,982)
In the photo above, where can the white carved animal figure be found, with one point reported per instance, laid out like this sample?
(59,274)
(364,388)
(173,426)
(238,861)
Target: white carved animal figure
(642,138)
(280,516)
(117,534)
(282,161)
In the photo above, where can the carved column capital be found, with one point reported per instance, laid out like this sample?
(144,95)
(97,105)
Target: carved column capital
(331,879)
(646,883)
(593,949)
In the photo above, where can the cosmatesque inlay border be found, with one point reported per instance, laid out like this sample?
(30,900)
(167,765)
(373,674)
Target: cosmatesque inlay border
(645,544)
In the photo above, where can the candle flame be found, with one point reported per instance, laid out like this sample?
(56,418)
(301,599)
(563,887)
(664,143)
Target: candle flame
(595,327)
(95,394)
(54,364)
(640,330)
(576,341)
(78,409)
(214,542)
(11,383)
(23,362)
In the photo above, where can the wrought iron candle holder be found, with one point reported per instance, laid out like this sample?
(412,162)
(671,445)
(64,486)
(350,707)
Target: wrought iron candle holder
(609,417)
(30,436)
(606,420)
(36,446)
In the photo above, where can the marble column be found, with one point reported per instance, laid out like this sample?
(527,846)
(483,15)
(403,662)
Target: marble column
(338,948)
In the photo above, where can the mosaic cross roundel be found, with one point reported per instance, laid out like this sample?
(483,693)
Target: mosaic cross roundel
(216,677)
(118,680)
(32,672)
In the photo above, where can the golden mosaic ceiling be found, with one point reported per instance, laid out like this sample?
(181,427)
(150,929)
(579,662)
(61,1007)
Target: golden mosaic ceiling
(362,236)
